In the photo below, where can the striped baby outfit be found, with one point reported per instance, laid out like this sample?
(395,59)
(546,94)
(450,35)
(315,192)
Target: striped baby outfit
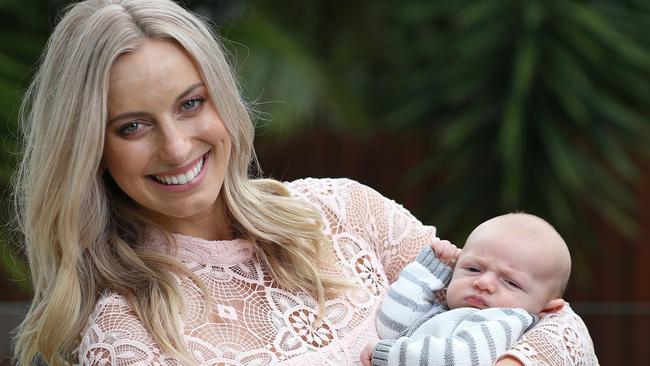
(416,329)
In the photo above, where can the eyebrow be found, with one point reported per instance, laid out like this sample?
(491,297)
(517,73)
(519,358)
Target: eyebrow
(184,94)
(508,271)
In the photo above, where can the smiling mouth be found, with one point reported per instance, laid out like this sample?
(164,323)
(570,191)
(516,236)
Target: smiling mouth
(180,179)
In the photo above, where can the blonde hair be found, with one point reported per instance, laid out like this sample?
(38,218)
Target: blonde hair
(81,232)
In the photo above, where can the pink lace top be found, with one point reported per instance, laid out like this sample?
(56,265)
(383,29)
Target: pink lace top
(253,322)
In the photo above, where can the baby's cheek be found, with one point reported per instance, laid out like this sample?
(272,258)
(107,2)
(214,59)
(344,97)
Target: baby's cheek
(452,296)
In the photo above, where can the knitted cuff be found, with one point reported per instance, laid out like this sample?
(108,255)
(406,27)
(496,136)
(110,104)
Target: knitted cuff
(534,322)
(382,349)
(428,259)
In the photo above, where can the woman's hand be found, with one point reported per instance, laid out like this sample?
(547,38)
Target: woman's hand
(366,354)
(445,251)
(508,361)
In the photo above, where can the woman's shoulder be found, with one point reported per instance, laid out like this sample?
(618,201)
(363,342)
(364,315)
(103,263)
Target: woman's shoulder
(110,304)
(338,196)
(111,319)
(114,331)
(322,186)
(340,190)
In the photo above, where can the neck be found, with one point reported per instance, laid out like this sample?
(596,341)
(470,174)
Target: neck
(211,225)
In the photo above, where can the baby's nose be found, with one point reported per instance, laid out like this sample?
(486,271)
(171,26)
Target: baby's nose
(485,283)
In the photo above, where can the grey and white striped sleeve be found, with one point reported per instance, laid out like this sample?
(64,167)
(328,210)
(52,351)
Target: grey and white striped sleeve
(412,296)
(477,340)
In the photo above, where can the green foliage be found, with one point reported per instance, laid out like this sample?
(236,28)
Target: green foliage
(24,29)
(292,87)
(21,41)
(540,106)
(535,105)
(300,74)
(531,105)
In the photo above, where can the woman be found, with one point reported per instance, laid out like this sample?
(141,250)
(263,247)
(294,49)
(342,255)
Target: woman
(148,242)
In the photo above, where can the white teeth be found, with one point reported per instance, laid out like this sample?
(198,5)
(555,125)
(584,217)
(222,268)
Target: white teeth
(181,178)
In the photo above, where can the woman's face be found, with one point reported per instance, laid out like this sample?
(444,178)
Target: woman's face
(166,146)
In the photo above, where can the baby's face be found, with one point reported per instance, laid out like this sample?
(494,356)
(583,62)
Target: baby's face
(497,268)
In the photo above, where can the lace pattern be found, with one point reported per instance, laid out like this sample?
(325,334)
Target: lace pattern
(254,322)
(560,339)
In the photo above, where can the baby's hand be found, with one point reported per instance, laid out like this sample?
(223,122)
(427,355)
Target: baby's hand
(366,354)
(445,251)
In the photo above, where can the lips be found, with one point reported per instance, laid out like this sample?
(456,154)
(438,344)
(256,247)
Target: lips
(476,302)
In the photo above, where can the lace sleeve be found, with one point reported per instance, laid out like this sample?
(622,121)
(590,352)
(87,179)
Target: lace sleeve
(389,230)
(394,233)
(560,339)
(114,336)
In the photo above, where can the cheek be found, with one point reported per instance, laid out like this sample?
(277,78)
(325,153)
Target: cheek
(452,290)
(227,146)
(224,137)
(460,284)
(124,160)
(210,123)
(112,159)
(220,137)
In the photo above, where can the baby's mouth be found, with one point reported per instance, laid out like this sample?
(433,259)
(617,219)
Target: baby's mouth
(476,301)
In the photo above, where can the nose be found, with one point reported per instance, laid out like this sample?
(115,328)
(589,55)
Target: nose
(175,144)
(485,283)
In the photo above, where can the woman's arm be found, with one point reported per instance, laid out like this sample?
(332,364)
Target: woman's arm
(558,339)
(115,336)
(508,361)
(392,232)
(369,221)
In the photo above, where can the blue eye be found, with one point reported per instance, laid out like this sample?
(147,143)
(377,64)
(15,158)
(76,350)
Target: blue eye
(130,128)
(473,269)
(193,103)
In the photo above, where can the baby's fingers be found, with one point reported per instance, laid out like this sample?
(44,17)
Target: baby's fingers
(446,251)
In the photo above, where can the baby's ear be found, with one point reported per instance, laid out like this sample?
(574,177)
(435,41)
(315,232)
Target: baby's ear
(552,306)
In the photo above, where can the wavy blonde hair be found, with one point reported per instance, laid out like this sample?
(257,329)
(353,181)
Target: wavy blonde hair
(81,232)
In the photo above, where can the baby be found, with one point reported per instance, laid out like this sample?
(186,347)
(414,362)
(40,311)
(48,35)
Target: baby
(512,269)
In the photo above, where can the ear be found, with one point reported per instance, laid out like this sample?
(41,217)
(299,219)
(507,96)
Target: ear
(552,306)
